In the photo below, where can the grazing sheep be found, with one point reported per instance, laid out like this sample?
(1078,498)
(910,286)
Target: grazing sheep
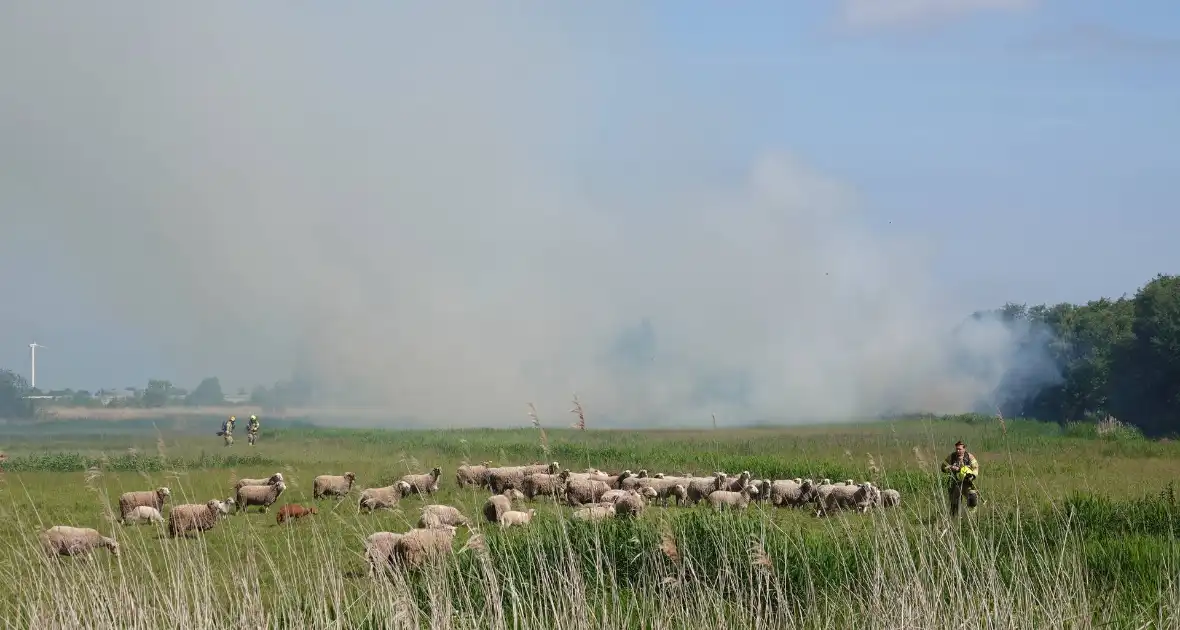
(720,499)
(65,540)
(143,514)
(379,550)
(259,495)
(293,511)
(271,480)
(860,497)
(418,546)
(424,484)
(151,498)
(193,516)
(512,477)
(791,492)
(579,491)
(468,475)
(538,484)
(435,516)
(513,517)
(595,512)
(822,491)
(332,485)
(736,484)
(889,498)
(498,504)
(630,503)
(700,487)
(385,497)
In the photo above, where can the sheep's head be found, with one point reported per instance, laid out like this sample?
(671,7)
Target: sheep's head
(277,477)
(565,474)
(642,473)
(351,477)
(751,490)
(658,475)
(648,492)
(112,544)
(163,492)
(279,487)
(436,472)
(744,477)
(214,506)
(403,488)
(554,467)
(532,512)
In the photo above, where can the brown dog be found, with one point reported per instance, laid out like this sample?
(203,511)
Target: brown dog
(291,511)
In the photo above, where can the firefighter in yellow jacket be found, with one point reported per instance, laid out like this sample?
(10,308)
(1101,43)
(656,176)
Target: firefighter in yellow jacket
(252,429)
(227,430)
(963,467)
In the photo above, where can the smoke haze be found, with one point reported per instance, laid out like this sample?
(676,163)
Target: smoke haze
(396,201)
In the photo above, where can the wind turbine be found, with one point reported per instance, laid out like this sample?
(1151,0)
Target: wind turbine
(33,364)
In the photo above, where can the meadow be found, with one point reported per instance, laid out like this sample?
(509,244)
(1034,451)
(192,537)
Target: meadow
(1077,529)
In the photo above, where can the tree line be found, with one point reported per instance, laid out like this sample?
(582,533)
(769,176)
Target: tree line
(1115,358)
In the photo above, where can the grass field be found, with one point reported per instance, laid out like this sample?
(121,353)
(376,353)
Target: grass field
(1078,529)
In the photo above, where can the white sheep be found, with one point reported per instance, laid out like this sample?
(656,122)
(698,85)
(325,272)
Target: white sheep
(436,516)
(273,479)
(595,512)
(332,485)
(66,540)
(418,546)
(379,548)
(720,499)
(424,484)
(472,475)
(860,497)
(889,498)
(143,514)
(194,516)
(791,492)
(264,496)
(385,497)
(514,517)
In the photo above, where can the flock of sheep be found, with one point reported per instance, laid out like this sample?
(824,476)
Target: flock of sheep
(594,494)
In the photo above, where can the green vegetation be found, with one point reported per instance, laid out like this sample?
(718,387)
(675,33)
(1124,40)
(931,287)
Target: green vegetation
(1078,528)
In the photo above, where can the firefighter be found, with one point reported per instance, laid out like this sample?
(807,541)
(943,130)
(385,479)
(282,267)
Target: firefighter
(227,430)
(962,467)
(252,429)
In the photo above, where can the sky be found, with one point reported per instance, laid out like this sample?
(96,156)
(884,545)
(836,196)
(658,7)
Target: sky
(456,211)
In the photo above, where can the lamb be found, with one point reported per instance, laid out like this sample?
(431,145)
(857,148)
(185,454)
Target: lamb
(259,495)
(424,484)
(860,497)
(271,480)
(435,516)
(889,498)
(791,492)
(292,511)
(538,484)
(595,512)
(700,487)
(193,516)
(513,517)
(720,499)
(332,485)
(498,504)
(418,546)
(468,475)
(379,550)
(143,514)
(65,540)
(151,498)
(385,497)
(579,491)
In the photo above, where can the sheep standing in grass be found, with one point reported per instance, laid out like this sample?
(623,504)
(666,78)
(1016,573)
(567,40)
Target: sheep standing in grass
(379,550)
(198,517)
(630,503)
(65,540)
(152,498)
(520,519)
(472,475)
(419,546)
(386,497)
(595,513)
(424,484)
(264,496)
(700,487)
(791,492)
(542,484)
(273,479)
(860,497)
(435,516)
(721,499)
(889,498)
(143,514)
(580,491)
(332,485)
(498,504)
(512,477)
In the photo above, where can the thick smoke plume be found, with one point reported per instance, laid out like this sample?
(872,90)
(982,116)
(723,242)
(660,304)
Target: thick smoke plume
(396,199)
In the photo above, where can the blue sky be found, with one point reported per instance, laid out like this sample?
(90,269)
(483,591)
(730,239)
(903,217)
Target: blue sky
(1030,145)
